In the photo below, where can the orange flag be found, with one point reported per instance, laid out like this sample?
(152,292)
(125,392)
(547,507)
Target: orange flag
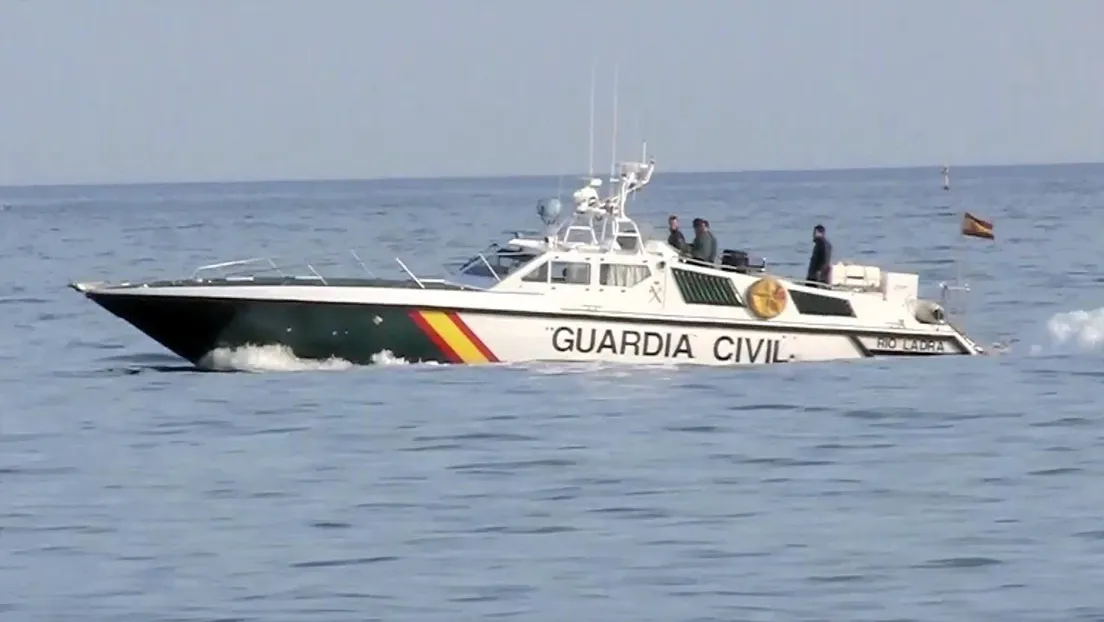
(974,227)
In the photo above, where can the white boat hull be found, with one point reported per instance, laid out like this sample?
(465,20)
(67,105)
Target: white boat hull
(356,323)
(578,339)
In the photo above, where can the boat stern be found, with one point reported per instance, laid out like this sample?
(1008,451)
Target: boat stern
(969,345)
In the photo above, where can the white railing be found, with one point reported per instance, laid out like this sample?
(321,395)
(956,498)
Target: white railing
(260,267)
(953,297)
(250,269)
(763,269)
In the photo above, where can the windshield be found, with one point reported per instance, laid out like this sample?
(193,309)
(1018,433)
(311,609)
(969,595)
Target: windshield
(502,261)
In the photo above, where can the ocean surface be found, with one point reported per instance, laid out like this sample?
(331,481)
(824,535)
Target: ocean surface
(133,488)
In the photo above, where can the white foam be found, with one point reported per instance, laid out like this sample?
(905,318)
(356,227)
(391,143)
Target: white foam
(280,358)
(266,358)
(386,357)
(1085,329)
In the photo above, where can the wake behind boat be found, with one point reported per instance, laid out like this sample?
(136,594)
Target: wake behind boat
(591,287)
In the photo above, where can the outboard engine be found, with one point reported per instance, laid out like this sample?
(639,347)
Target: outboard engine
(734,258)
(740,261)
(928,312)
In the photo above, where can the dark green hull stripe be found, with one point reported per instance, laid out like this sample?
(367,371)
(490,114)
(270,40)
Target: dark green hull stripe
(192,327)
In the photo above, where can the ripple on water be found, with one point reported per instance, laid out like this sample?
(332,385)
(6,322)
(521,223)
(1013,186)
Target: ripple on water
(355,561)
(879,490)
(960,562)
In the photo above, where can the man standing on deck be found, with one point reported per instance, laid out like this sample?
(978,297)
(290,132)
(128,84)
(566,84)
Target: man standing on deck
(820,263)
(676,239)
(704,247)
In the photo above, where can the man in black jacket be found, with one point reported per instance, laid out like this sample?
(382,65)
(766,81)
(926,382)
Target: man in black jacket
(704,246)
(820,263)
(676,239)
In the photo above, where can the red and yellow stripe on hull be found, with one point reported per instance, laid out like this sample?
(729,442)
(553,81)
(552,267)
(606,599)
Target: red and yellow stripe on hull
(454,337)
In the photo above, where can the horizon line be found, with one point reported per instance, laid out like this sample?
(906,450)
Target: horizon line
(518,176)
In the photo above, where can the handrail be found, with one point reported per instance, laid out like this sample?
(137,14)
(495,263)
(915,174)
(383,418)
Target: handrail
(761,270)
(357,258)
(411,274)
(954,286)
(489,267)
(311,269)
(320,277)
(239,262)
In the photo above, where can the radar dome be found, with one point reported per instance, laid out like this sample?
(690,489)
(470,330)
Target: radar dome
(549,210)
(585,197)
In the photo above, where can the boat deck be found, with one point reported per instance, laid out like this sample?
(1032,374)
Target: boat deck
(307,281)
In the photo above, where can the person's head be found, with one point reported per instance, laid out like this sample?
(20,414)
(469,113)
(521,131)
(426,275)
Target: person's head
(699,225)
(672,223)
(818,232)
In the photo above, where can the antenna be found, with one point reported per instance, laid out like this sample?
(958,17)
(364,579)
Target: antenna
(959,285)
(613,148)
(643,143)
(590,146)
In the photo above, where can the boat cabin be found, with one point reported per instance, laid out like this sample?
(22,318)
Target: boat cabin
(598,246)
(517,267)
(496,263)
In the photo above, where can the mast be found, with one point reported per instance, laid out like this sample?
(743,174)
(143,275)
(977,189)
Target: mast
(613,147)
(590,145)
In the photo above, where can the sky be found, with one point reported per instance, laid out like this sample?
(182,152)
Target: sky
(119,91)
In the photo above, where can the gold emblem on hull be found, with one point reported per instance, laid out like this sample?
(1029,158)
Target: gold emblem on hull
(767,298)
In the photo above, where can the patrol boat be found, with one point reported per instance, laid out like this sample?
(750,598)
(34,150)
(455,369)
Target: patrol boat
(589,287)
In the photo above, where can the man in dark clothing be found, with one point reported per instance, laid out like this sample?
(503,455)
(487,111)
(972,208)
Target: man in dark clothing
(820,263)
(704,246)
(713,241)
(676,239)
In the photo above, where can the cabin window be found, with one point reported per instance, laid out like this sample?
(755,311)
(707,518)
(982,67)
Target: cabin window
(622,275)
(537,275)
(571,272)
(808,303)
(627,242)
(698,288)
(501,263)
